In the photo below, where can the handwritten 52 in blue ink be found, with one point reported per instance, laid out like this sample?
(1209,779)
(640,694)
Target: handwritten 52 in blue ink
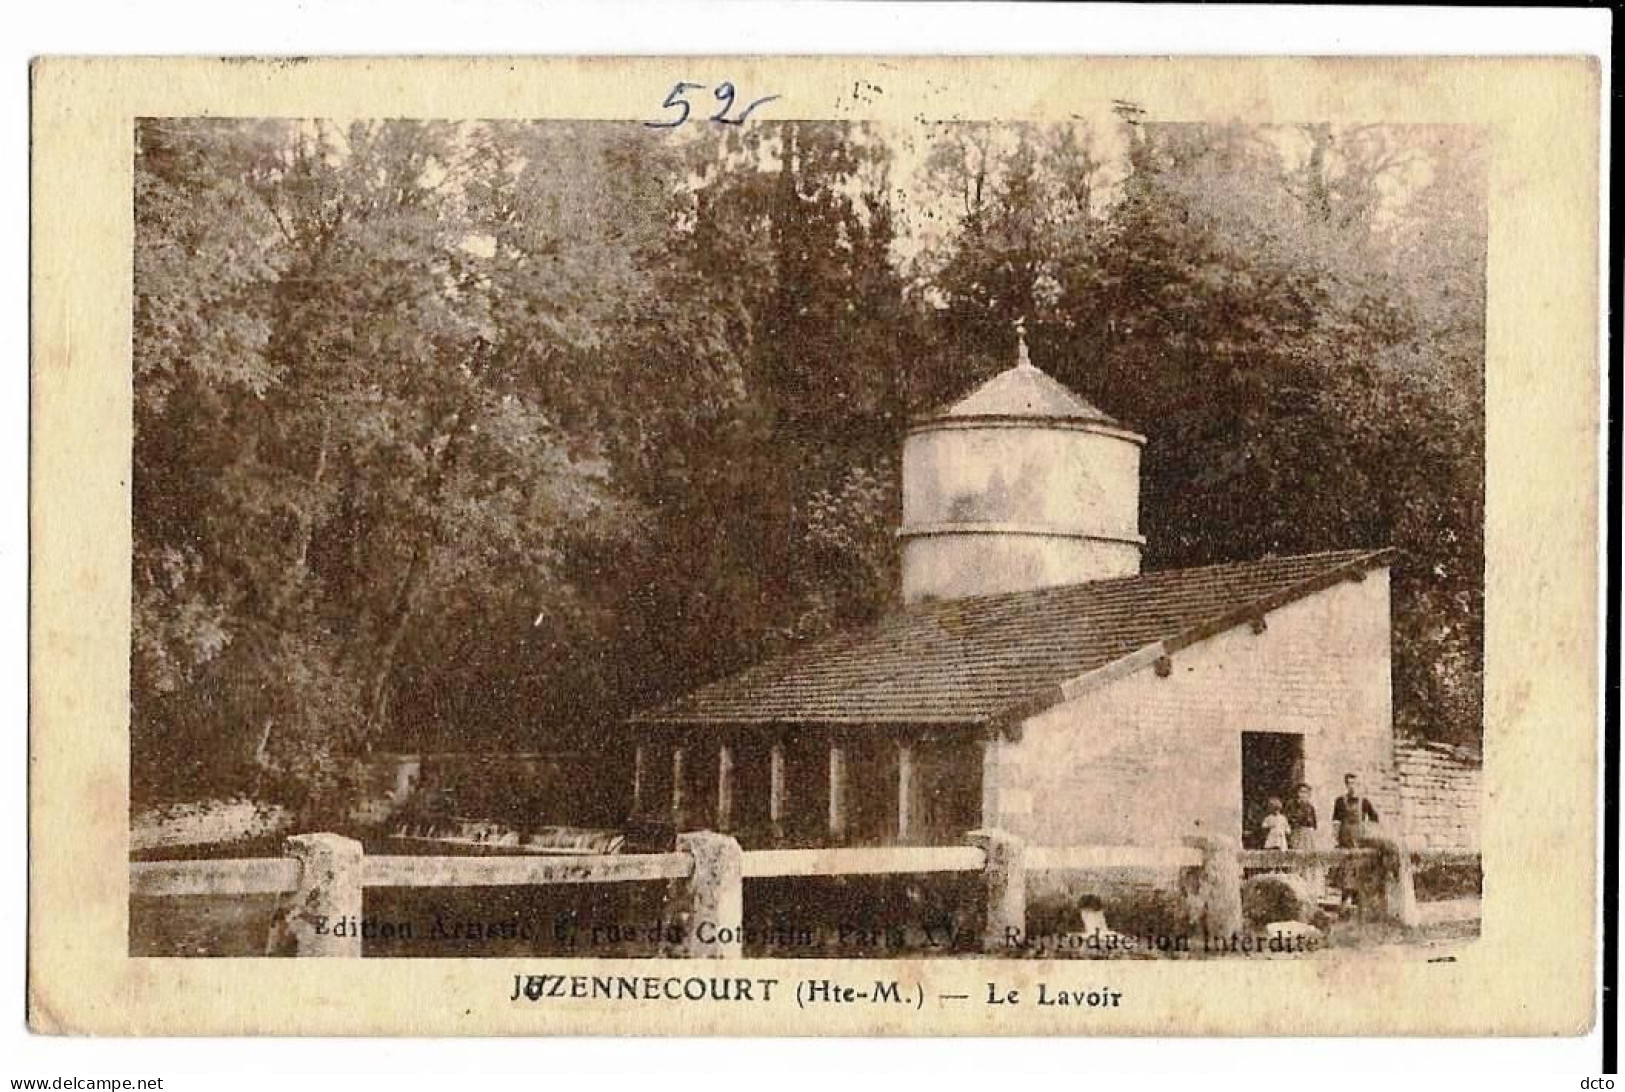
(724,93)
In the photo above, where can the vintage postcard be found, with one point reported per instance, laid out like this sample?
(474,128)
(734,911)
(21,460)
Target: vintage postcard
(902,546)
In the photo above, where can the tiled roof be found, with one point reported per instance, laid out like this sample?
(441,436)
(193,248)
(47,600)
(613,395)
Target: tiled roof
(1024,391)
(996,658)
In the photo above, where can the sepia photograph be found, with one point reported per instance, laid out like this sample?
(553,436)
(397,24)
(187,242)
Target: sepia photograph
(814,546)
(718,535)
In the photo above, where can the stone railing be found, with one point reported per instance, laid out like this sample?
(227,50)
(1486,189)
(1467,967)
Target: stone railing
(323,876)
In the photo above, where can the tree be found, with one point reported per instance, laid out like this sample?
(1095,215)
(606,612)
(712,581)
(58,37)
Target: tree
(407,450)
(201,323)
(1293,316)
(1027,204)
(449,434)
(778,490)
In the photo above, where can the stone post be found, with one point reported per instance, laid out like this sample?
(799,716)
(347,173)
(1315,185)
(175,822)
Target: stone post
(1396,879)
(1004,885)
(992,754)
(713,898)
(1218,888)
(323,915)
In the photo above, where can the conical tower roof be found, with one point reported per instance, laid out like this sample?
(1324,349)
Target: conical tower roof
(1025,390)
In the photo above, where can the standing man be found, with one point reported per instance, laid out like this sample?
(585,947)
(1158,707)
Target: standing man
(1351,813)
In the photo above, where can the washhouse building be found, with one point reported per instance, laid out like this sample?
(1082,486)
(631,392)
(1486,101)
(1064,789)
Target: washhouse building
(1036,679)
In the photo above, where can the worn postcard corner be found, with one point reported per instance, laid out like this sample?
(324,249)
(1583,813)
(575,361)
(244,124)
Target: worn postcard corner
(895,546)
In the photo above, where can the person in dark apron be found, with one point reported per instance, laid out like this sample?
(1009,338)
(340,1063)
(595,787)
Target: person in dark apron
(1352,813)
(1305,836)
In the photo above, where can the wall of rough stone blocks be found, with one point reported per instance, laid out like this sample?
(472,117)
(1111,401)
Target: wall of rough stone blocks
(206,822)
(1440,790)
(1148,760)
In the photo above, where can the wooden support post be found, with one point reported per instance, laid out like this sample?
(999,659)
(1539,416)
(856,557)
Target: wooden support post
(713,900)
(329,894)
(1004,885)
(775,787)
(637,779)
(837,792)
(1218,885)
(677,786)
(905,789)
(725,786)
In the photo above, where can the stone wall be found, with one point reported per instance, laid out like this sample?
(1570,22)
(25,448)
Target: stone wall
(1439,788)
(206,822)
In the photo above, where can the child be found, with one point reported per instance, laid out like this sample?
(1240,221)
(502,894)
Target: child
(1276,826)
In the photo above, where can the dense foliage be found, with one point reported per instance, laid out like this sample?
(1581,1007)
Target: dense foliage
(482,435)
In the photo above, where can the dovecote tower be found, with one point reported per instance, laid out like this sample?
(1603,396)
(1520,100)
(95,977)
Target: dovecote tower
(1021,484)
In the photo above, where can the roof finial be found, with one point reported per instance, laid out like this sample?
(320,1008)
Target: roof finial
(1022,359)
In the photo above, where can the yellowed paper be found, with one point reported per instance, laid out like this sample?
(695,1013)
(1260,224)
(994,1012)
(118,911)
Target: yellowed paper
(1529,968)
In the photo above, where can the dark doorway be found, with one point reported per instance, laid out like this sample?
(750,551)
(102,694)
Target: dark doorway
(1271,766)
